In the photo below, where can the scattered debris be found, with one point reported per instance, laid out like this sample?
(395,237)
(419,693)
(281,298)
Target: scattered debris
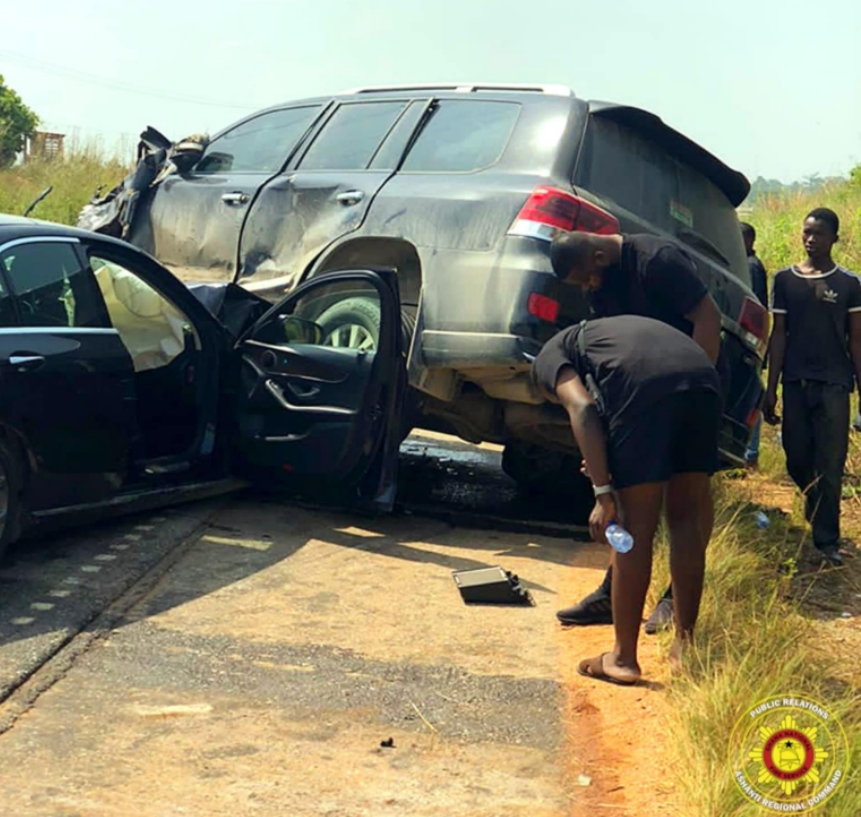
(491,585)
(387,744)
(584,780)
(762,520)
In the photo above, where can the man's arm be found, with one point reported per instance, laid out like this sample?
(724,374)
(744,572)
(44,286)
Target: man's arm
(672,278)
(776,355)
(855,343)
(705,317)
(589,433)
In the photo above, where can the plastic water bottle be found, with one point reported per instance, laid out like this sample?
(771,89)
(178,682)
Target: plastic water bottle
(762,521)
(620,540)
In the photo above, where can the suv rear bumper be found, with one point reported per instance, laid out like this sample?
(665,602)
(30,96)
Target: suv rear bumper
(477,350)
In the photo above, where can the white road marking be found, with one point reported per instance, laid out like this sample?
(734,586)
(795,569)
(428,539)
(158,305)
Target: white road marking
(119,547)
(144,527)
(176,709)
(91,568)
(41,605)
(250,544)
(71,580)
(133,537)
(21,620)
(105,557)
(60,594)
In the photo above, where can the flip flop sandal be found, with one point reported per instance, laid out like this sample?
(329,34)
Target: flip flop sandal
(594,668)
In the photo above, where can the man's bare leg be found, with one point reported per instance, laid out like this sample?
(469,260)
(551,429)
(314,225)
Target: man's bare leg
(690,519)
(641,510)
(662,616)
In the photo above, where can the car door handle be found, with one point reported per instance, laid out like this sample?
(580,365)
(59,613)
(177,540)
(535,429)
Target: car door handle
(350,197)
(301,391)
(235,198)
(27,363)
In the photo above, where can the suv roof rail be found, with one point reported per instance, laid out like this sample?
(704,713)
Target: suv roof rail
(466,88)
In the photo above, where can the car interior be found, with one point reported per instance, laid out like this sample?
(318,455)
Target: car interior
(165,350)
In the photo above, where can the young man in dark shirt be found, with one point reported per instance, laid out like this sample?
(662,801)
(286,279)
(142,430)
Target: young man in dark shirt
(648,276)
(816,350)
(759,285)
(644,405)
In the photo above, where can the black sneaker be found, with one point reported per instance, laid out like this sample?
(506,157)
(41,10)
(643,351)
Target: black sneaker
(596,608)
(661,618)
(831,556)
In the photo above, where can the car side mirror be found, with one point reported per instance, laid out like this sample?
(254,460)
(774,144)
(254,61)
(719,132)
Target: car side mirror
(188,152)
(299,330)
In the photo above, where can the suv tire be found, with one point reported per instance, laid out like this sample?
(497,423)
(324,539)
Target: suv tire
(549,476)
(10,498)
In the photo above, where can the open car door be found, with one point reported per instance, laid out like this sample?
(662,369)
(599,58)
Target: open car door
(321,388)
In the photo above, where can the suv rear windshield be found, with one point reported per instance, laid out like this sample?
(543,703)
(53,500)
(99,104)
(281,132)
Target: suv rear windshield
(621,166)
(463,136)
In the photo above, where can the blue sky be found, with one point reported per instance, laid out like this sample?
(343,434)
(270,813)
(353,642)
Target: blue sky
(773,89)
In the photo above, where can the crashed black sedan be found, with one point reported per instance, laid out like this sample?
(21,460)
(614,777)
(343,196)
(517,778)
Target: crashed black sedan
(121,386)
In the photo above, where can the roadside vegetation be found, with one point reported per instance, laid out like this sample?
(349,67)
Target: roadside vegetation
(74,178)
(773,622)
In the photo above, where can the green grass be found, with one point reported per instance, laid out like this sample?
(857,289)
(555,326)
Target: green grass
(756,639)
(74,179)
(778,221)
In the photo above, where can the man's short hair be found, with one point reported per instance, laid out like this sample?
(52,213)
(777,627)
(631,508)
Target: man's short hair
(569,251)
(748,231)
(826,215)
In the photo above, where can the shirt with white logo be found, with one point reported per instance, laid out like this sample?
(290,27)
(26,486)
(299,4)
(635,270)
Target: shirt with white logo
(817,309)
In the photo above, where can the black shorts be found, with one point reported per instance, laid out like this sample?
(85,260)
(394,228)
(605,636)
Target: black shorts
(676,435)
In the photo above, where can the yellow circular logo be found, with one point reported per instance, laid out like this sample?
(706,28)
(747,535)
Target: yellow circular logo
(788,754)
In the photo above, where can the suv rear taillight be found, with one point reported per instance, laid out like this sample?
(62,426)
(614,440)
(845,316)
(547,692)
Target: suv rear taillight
(753,320)
(547,309)
(550,209)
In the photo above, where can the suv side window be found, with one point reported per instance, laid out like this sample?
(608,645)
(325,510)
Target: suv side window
(51,286)
(351,137)
(260,145)
(463,136)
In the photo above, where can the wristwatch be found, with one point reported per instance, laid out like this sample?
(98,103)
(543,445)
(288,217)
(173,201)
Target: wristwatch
(600,490)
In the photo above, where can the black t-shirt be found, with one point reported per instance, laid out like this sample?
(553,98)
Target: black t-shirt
(633,361)
(654,278)
(758,279)
(817,309)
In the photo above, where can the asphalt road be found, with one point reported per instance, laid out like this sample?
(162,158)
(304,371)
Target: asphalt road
(257,656)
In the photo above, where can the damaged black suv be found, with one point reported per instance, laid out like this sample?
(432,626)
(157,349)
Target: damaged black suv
(459,189)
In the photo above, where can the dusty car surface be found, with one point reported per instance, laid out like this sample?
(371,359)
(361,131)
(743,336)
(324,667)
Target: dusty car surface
(121,385)
(460,189)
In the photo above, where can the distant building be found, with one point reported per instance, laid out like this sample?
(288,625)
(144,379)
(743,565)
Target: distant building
(44,145)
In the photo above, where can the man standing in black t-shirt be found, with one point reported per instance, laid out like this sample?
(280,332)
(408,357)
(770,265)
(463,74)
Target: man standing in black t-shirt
(816,349)
(648,276)
(644,405)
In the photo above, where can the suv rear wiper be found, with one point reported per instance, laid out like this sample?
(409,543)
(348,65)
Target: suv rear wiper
(693,237)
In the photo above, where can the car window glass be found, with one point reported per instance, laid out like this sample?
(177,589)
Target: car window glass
(341,315)
(51,287)
(390,152)
(463,136)
(151,327)
(620,165)
(350,138)
(260,145)
(7,307)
